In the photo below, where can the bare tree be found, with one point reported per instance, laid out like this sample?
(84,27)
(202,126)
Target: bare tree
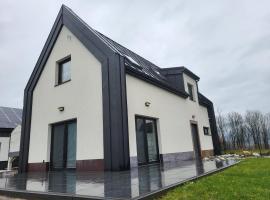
(265,129)
(253,124)
(237,130)
(221,127)
(267,118)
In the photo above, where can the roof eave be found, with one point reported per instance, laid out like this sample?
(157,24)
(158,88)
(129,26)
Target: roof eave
(180,70)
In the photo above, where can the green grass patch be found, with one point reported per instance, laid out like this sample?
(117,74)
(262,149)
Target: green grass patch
(250,179)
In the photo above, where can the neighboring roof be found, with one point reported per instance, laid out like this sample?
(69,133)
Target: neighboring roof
(10,117)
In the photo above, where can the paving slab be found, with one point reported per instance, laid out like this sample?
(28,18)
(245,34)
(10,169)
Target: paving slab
(136,183)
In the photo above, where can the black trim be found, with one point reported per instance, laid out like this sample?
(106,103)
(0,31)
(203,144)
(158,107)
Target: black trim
(206,131)
(5,132)
(203,101)
(65,59)
(60,63)
(115,133)
(28,92)
(153,81)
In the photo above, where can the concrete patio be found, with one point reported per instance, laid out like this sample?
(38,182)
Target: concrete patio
(136,183)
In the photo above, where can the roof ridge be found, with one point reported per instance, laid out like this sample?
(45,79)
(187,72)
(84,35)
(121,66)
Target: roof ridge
(89,27)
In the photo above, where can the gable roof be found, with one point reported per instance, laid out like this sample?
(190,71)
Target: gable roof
(134,63)
(10,117)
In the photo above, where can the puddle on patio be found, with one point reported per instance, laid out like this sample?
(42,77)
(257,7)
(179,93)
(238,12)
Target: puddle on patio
(124,184)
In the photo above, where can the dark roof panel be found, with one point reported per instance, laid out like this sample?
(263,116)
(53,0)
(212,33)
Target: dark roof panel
(10,117)
(147,67)
(204,101)
(180,70)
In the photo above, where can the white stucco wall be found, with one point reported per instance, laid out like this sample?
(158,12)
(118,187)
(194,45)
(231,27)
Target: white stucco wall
(4,148)
(200,113)
(81,97)
(173,113)
(15,137)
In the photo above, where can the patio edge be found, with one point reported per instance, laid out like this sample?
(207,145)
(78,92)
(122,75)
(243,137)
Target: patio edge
(163,191)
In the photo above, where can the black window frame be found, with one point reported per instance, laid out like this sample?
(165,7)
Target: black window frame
(60,64)
(208,130)
(191,90)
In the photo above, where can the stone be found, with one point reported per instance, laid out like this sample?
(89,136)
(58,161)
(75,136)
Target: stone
(247,153)
(256,154)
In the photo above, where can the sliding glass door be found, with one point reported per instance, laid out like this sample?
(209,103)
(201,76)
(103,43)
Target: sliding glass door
(63,145)
(147,142)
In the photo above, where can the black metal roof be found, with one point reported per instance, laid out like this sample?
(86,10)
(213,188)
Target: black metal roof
(141,63)
(10,117)
(137,63)
(203,100)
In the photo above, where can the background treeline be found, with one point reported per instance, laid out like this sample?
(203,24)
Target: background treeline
(247,131)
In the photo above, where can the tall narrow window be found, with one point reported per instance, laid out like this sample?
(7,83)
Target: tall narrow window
(190,92)
(64,70)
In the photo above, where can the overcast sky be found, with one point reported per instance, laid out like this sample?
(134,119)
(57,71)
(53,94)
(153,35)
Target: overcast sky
(226,43)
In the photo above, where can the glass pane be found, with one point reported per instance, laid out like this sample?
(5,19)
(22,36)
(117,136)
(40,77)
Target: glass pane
(71,146)
(151,140)
(141,143)
(58,146)
(66,71)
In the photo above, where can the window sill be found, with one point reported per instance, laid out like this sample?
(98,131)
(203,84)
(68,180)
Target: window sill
(207,135)
(62,83)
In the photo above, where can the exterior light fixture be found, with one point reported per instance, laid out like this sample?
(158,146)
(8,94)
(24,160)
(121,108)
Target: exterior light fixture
(61,109)
(147,103)
(193,116)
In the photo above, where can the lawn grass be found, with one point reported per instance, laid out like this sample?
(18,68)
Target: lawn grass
(250,179)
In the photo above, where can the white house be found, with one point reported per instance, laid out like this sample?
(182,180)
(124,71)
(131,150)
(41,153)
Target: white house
(14,147)
(92,104)
(9,119)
